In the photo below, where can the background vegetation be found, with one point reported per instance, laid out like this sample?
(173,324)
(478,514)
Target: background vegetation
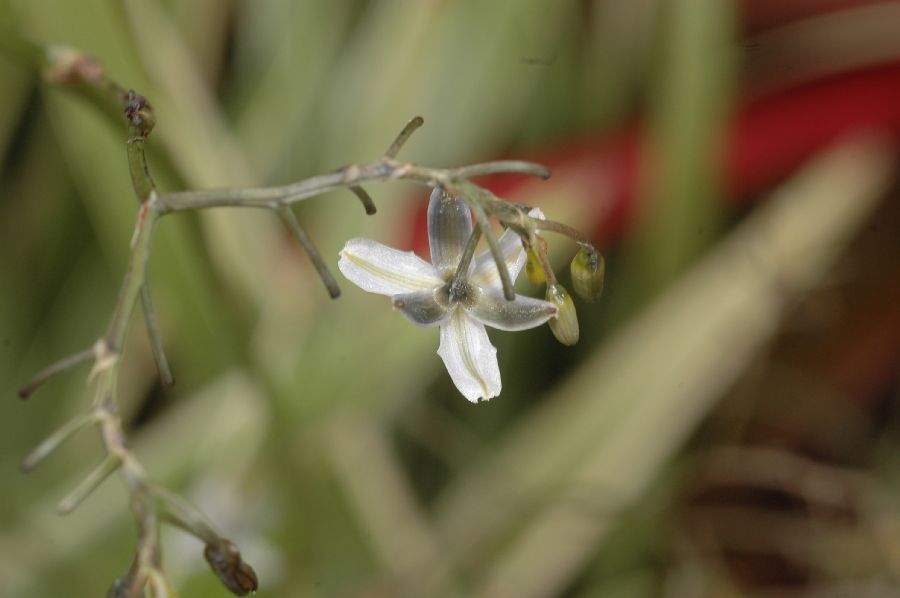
(727,424)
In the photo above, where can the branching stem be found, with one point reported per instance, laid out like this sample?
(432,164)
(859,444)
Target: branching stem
(149,503)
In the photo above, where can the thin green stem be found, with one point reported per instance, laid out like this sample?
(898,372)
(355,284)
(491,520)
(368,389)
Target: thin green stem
(53,369)
(482,220)
(563,229)
(156,344)
(403,137)
(134,276)
(314,256)
(541,251)
(137,167)
(52,442)
(141,121)
(350,176)
(365,199)
(504,166)
(184,515)
(106,467)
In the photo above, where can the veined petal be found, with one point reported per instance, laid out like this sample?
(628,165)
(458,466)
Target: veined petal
(449,227)
(521,314)
(377,268)
(424,308)
(485,274)
(470,357)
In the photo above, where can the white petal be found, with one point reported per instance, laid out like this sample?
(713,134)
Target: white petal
(485,274)
(381,269)
(470,357)
(449,227)
(523,313)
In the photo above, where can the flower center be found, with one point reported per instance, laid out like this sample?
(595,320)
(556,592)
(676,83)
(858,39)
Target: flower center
(460,291)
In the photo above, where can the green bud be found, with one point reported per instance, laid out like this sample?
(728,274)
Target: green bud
(565,324)
(534,270)
(588,269)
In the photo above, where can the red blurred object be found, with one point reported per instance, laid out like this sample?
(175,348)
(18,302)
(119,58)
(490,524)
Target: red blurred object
(769,137)
(758,15)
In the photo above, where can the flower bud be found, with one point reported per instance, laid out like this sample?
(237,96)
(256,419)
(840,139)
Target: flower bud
(533,269)
(588,269)
(565,324)
(226,562)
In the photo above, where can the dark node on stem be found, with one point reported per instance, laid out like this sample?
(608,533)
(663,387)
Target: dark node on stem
(402,138)
(139,113)
(365,199)
(225,560)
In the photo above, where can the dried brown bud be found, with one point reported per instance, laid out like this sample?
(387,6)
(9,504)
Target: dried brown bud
(565,325)
(139,113)
(225,559)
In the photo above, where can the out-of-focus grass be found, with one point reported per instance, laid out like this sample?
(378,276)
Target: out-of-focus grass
(325,436)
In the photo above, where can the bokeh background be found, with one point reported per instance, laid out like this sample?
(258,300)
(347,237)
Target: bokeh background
(727,426)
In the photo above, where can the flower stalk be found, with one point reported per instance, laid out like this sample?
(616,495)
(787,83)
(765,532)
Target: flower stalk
(152,505)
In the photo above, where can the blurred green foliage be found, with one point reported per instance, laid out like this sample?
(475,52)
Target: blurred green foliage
(325,437)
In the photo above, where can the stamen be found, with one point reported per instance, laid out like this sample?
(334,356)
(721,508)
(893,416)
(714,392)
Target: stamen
(457,284)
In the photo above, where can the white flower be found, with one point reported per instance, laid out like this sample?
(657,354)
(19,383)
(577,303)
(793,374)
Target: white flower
(422,292)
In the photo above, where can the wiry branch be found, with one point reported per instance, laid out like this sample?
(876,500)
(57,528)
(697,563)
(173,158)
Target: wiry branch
(365,199)
(403,137)
(303,238)
(482,220)
(151,504)
(156,344)
(53,369)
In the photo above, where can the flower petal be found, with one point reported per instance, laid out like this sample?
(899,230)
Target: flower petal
(470,357)
(521,314)
(485,274)
(377,268)
(449,227)
(424,308)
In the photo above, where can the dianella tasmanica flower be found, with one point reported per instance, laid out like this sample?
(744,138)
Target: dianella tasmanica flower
(459,295)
